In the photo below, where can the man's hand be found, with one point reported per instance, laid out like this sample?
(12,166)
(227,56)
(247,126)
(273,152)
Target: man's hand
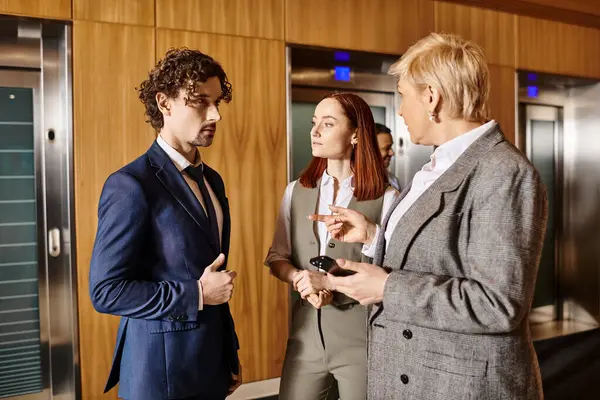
(236,381)
(323,298)
(347,225)
(217,286)
(366,285)
(309,282)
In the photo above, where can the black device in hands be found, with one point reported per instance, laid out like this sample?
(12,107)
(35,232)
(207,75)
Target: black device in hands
(329,265)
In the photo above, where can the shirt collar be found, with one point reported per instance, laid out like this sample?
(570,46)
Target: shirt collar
(178,159)
(327,179)
(450,151)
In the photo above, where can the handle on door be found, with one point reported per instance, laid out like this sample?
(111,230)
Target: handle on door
(54,242)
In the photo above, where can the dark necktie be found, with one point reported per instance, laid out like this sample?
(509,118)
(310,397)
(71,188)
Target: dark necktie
(197,174)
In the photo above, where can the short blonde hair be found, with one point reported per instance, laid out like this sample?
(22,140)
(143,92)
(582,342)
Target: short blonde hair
(455,67)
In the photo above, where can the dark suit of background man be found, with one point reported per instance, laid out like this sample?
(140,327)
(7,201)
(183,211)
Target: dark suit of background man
(162,241)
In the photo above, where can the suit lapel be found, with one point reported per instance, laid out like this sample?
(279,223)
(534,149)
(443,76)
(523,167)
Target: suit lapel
(174,182)
(416,216)
(219,190)
(430,201)
(379,251)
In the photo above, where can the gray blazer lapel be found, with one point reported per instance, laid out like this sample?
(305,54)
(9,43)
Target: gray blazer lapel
(430,201)
(379,251)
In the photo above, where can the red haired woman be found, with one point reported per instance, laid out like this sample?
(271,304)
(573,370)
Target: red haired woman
(328,336)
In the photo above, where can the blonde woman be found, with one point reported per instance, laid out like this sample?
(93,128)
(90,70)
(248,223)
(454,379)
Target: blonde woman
(460,248)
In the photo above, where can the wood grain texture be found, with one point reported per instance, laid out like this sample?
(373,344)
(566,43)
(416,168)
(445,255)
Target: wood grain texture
(503,98)
(554,47)
(579,12)
(109,61)
(133,12)
(384,26)
(583,6)
(252,18)
(494,31)
(250,154)
(53,9)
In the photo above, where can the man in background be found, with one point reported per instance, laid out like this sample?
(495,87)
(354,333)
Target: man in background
(386,147)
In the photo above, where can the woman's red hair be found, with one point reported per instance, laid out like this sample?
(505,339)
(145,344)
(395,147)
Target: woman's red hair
(370,176)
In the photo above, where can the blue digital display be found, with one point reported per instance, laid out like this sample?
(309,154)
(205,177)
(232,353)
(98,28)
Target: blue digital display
(342,73)
(341,56)
(531,77)
(532,91)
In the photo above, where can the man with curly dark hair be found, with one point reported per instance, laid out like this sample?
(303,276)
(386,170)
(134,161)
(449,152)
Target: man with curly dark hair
(159,259)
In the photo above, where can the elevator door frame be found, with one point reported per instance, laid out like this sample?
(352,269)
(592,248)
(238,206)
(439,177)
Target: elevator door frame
(36,54)
(536,111)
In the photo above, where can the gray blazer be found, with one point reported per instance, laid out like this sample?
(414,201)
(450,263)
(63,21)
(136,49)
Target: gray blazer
(454,319)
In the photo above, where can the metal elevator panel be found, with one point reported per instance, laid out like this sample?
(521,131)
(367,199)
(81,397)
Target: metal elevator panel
(558,120)
(38,307)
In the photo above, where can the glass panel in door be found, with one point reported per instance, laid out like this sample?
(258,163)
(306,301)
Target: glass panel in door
(543,142)
(20,345)
(542,153)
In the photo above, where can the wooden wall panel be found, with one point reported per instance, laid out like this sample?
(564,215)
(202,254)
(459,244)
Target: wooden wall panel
(591,7)
(250,153)
(109,61)
(494,31)
(578,12)
(54,9)
(384,26)
(503,98)
(554,47)
(584,6)
(253,18)
(134,12)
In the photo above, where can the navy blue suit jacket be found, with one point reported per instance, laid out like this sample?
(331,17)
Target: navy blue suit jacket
(152,245)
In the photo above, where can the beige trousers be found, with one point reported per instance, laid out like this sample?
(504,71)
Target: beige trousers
(324,345)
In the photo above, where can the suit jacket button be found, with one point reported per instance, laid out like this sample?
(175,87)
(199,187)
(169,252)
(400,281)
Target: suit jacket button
(404,378)
(331,245)
(407,334)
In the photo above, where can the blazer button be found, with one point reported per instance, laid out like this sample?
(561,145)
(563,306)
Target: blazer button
(404,378)
(331,245)
(407,334)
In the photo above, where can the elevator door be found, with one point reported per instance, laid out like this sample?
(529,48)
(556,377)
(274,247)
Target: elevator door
(304,102)
(37,295)
(544,149)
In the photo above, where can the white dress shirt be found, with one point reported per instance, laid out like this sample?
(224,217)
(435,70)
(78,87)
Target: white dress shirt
(181,163)
(281,248)
(442,158)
